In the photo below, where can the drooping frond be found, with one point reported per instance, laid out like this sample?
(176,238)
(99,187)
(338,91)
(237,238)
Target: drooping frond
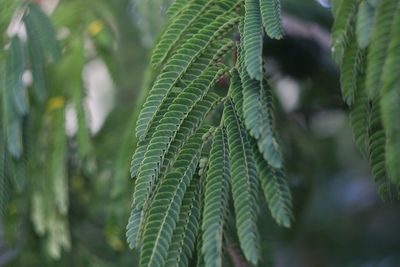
(257,114)
(176,29)
(235,89)
(15,99)
(253,39)
(342,26)
(216,200)
(40,28)
(390,97)
(141,147)
(194,120)
(377,50)
(166,131)
(376,145)
(353,61)
(360,117)
(271,18)
(276,190)
(36,55)
(365,23)
(392,64)
(184,237)
(165,208)
(133,228)
(244,182)
(177,65)
(176,7)
(390,110)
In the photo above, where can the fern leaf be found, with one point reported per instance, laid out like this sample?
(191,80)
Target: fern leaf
(177,66)
(379,45)
(235,89)
(365,23)
(166,131)
(392,64)
(36,56)
(342,27)
(390,109)
(40,25)
(15,99)
(164,210)
(176,29)
(141,148)
(390,100)
(271,18)
(184,237)
(244,183)
(268,143)
(360,116)
(210,57)
(257,113)
(176,7)
(133,228)
(353,60)
(377,141)
(192,123)
(14,69)
(216,200)
(253,39)
(276,190)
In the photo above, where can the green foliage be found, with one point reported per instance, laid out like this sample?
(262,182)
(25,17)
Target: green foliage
(244,183)
(208,144)
(216,200)
(378,47)
(271,18)
(369,69)
(191,58)
(252,39)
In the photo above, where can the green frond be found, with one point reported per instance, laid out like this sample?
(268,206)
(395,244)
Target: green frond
(253,39)
(365,23)
(37,61)
(257,114)
(210,57)
(190,126)
(177,65)
(141,147)
(15,99)
(353,61)
(390,110)
(176,7)
(342,27)
(268,143)
(216,200)
(133,228)
(165,132)
(39,27)
(244,183)
(377,50)
(165,208)
(376,145)
(276,190)
(184,237)
(235,90)
(176,29)
(360,116)
(390,100)
(42,44)
(271,18)
(391,68)
(14,68)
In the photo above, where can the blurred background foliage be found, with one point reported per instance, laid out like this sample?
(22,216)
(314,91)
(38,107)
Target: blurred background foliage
(71,75)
